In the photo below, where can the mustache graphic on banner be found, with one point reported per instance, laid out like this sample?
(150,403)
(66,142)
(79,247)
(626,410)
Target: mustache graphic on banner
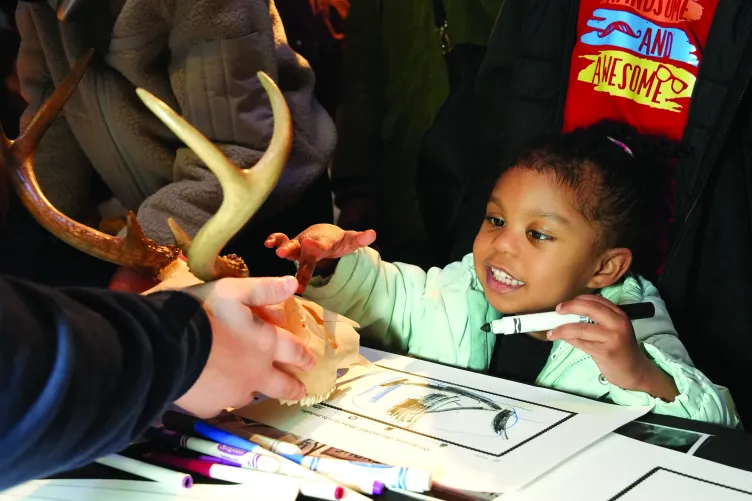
(663,11)
(629,31)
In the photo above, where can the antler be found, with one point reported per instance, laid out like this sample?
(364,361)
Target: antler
(244,190)
(134,250)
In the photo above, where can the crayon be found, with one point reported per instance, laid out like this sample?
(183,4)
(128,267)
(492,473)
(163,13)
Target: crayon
(246,459)
(146,470)
(310,488)
(393,477)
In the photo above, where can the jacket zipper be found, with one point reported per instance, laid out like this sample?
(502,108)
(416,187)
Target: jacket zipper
(726,127)
(131,176)
(713,159)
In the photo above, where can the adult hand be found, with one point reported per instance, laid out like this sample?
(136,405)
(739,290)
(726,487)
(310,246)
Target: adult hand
(319,245)
(612,345)
(245,349)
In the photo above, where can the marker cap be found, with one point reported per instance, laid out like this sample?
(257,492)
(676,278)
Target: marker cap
(179,422)
(415,480)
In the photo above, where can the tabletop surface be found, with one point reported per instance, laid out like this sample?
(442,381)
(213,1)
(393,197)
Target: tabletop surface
(725,446)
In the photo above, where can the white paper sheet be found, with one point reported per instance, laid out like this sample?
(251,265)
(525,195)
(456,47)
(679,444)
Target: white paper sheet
(472,432)
(623,469)
(677,439)
(137,490)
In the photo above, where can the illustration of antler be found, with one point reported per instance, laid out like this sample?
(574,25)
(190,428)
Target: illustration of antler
(244,190)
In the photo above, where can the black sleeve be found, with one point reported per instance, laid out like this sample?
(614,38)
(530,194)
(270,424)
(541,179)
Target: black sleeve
(83,372)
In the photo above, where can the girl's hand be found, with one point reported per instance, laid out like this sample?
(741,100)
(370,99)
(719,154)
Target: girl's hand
(612,344)
(319,245)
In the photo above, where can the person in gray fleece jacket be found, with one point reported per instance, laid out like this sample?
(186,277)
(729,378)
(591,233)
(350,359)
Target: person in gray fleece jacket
(198,56)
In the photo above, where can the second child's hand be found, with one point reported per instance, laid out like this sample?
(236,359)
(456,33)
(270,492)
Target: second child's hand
(321,245)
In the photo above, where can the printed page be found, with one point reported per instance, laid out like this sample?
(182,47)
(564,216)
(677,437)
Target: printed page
(472,432)
(617,468)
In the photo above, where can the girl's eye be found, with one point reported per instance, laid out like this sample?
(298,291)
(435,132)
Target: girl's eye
(495,221)
(537,235)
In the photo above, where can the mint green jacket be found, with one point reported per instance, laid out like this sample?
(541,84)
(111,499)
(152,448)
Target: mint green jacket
(437,315)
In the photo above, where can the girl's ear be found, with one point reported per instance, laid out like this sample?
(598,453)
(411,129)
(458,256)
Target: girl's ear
(612,265)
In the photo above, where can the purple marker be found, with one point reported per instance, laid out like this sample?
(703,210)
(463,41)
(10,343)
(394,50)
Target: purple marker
(225,462)
(366,486)
(241,457)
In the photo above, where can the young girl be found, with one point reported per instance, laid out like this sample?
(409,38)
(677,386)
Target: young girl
(573,225)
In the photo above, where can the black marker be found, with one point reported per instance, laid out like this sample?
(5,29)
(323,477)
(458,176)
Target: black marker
(540,322)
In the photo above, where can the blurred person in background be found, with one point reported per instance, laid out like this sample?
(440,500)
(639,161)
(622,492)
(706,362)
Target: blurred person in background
(395,80)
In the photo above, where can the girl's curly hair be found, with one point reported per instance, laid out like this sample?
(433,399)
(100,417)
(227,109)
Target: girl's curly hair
(621,179)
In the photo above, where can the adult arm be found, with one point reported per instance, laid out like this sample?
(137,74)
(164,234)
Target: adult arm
(85,371)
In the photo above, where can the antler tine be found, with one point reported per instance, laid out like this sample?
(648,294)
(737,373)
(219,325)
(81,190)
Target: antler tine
(245,190)
(134,251)
(29,139)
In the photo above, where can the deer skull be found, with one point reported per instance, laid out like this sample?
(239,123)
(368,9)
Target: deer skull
(314,326)
(245,190)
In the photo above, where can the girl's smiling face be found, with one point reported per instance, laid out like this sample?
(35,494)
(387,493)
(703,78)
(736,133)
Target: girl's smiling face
(536,250)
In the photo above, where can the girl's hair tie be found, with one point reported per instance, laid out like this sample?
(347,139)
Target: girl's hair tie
(621,145)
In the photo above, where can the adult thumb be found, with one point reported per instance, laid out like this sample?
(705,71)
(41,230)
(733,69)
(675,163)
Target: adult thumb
(263,291)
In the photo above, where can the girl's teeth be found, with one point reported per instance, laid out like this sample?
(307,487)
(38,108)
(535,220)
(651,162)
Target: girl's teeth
(504,278)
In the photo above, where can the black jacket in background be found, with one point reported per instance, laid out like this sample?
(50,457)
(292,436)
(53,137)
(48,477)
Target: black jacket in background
(519,93)
(83,372)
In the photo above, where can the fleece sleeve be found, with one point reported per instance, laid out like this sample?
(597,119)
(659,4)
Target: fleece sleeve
(216,48)
(382,297)
(83,372)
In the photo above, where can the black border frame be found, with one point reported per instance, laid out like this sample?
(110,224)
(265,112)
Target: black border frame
(486,453)
(660,468)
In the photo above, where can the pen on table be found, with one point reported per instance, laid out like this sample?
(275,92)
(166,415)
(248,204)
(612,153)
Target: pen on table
(189,424)
(213,459)
(393,477)
(146,470)
(274,444)
(307,487)
(244,458)
(176,421)
(540,322)
(365,485)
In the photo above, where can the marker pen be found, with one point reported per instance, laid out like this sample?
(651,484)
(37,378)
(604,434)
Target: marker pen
(410,479)
(212,459)
(541,322)
(365,485)
(274,444)
(244,458)
(189,424)
(310,488)
(146,470)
